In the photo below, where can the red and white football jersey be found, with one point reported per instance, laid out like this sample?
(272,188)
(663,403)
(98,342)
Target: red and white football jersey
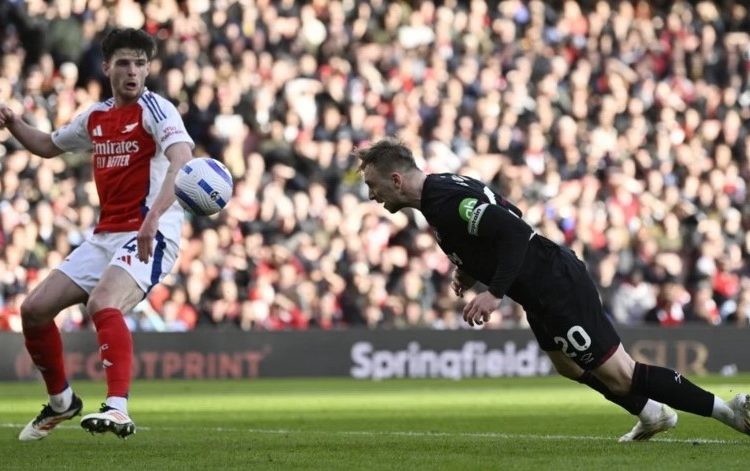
(127,146)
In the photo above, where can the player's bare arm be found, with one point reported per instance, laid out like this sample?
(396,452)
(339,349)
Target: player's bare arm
(36,141)
(178,155)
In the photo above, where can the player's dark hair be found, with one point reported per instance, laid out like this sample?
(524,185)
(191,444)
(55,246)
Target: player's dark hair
(386,155)
(128,38)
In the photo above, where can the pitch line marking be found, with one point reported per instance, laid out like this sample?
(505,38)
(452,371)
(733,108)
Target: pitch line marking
(496,435)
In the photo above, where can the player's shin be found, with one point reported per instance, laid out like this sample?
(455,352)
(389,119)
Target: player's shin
(116,353)
(671,388)
(45,347)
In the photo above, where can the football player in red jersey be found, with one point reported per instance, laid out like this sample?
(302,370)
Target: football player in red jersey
(137,142)
(485,236)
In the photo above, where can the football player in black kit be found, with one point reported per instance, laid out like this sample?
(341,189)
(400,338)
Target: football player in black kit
(484,235)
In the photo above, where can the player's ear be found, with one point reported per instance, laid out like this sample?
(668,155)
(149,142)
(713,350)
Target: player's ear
(397,179)
(105,68)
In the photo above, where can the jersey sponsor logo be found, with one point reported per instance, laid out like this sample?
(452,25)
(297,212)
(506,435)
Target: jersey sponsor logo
(129,127)
(170,131)
(112,154)
(112,161)
(116,147)
(466,207)
(476,216)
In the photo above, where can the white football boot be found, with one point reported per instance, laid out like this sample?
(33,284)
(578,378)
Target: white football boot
(645,430)
(42,424)
(741,407)
(109,419)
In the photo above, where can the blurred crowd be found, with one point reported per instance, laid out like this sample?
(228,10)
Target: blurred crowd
(620,128)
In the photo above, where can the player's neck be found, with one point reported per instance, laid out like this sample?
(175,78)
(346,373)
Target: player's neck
(125,100)
(121,102)
(414,191)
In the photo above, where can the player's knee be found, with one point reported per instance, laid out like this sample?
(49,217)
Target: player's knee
(113,294)
(565,366)
(95,305)
(34,313)
(101,298)
(99,302)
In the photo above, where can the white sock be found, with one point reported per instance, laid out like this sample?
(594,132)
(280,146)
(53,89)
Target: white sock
(650,412)
(119,403)
(61,401)
(723,412)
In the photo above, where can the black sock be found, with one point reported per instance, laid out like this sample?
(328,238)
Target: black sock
(671,388)
(632,403)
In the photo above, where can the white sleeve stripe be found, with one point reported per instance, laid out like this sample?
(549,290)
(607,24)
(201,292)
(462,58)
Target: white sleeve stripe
(155,103)
(476,216)
(153,107)
(490,195)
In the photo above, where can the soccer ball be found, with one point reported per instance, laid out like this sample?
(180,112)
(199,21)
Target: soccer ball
(203,186)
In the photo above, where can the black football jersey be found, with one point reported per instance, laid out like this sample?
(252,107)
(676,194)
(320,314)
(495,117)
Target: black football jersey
(484,235)
(480,231)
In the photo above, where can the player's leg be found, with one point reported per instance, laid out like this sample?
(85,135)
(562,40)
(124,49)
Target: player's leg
(115,294)
(634,404)
(653,417)
(623,375)
(575,317)
(575,332)
(123,284)
(44,344)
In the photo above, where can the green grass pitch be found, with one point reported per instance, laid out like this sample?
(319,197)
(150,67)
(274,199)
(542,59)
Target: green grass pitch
(329,424)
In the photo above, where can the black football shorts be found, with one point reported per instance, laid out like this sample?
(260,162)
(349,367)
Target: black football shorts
(569,315)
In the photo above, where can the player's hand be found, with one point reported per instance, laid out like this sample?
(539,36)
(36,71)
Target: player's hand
(7,116)
(461,282)
(479,309)
(145,237)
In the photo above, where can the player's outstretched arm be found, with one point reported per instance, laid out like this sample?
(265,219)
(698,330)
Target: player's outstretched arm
(178,155)
(36,141)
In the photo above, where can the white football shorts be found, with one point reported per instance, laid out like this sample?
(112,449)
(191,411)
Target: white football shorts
(86,264)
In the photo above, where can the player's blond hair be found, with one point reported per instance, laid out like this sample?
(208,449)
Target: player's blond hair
(386,155)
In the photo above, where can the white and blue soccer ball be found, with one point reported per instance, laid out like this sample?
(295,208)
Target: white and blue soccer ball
(203,186)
